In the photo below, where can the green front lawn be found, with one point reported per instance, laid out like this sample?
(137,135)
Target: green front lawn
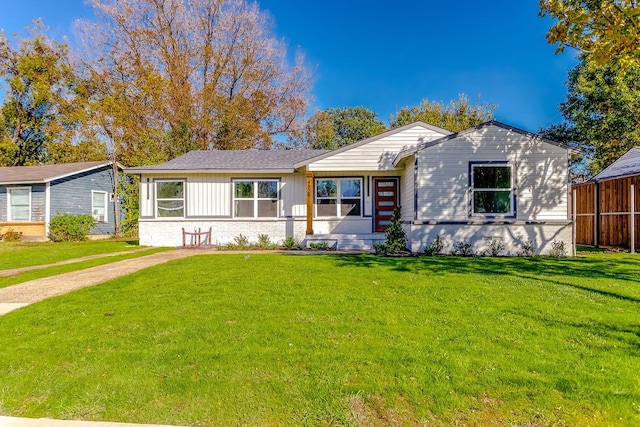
(336,340)
(24,254)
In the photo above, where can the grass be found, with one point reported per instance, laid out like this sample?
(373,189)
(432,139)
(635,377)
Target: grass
(66,268)
(336,340)
(24,254)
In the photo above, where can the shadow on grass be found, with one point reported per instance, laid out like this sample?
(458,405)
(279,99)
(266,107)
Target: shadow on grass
(543,269)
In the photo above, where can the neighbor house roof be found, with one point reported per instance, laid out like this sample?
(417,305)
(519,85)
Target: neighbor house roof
(45,173)
(628,164)
(412,150)
(252,160)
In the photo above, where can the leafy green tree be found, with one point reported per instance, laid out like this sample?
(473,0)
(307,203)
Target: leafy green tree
(607,31)
(35,76)
(336,127)
(455,116)
(602,112)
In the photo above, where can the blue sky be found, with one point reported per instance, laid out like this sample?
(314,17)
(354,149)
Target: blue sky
(386,55)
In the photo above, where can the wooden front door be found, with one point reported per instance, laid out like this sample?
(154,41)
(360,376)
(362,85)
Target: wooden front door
(385,200)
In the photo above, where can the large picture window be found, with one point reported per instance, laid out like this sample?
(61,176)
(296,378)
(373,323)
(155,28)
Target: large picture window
(492,189)
(339,197)
(99,206)
(255,198)
(169,199)
(20,204)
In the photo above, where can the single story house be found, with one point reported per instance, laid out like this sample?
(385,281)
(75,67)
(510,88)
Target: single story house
(608,205)
(492,181)
(31,195)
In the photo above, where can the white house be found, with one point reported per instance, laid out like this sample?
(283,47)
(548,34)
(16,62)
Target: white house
(489,182)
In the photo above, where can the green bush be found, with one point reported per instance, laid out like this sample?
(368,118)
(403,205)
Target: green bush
(291,243)
(395,237)
(11,236)
(69,227)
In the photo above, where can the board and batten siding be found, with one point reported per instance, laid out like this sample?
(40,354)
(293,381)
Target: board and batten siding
(541,169)
(72,195)
(375,155)
(210,195)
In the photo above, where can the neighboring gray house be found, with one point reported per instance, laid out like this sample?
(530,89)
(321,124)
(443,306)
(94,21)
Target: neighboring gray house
(489,182)
(31,195)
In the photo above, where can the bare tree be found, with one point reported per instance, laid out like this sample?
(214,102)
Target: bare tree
(184,74)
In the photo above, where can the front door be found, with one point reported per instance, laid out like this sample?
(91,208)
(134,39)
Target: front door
(385,200)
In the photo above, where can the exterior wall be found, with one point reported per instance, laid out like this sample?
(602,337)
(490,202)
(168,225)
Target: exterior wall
(32,229)
(407,195)
(541,172)
(480,235)
(73,195)
(375,155)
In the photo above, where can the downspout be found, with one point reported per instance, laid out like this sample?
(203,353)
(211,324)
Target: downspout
(47,208)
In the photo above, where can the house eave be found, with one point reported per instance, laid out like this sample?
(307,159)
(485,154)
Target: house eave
(140,171)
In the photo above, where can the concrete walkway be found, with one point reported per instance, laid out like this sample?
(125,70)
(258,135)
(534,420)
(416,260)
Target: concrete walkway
(48,422)
(22,294)
(15,271)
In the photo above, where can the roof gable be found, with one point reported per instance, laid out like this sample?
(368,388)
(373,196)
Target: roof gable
(46,173)
(628,164)
(386,134)
(405,153)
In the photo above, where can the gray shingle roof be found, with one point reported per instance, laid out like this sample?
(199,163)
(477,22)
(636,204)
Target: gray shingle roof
(628,164)
(232,160)
(45,173)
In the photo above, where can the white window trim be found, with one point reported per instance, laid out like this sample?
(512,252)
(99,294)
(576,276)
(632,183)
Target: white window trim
(338,198)
(511,190)
(9,189)
(255,198)
(156,199)
(106,206)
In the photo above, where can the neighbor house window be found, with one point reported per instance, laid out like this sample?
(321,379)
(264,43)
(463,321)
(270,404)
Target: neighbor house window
(256,198)
(19,204)
(492,189)
(338,197)
(170,198)
(99,206)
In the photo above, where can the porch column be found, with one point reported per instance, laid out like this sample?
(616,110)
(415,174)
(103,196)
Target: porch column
(309,176)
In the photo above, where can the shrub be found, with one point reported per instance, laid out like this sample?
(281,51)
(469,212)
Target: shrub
(264,242)
(291,243)
(395,237)
(528,248)
(462,249)
(558,249)
(434,248)
(320,246)
(70,228)
(11,235)
(241,242)
(496,246)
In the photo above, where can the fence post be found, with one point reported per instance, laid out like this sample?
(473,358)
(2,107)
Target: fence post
(573,223)
(633,219)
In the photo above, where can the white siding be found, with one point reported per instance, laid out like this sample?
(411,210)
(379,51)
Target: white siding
(377,154)
(406,191)
(541,172)
(210,195)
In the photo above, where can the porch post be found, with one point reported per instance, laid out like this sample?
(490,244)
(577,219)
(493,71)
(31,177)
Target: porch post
(309,176)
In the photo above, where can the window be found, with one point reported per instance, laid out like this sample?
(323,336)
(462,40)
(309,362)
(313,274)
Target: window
(99,206)
(492,189)
(20,204)
(255,198)
(169,199)
(338,197)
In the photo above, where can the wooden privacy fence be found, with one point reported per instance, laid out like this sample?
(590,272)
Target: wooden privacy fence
(607,213)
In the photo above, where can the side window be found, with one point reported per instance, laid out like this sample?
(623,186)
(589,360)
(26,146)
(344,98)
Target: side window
(19,204)
(492,190)
(169,199)
(99,206)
